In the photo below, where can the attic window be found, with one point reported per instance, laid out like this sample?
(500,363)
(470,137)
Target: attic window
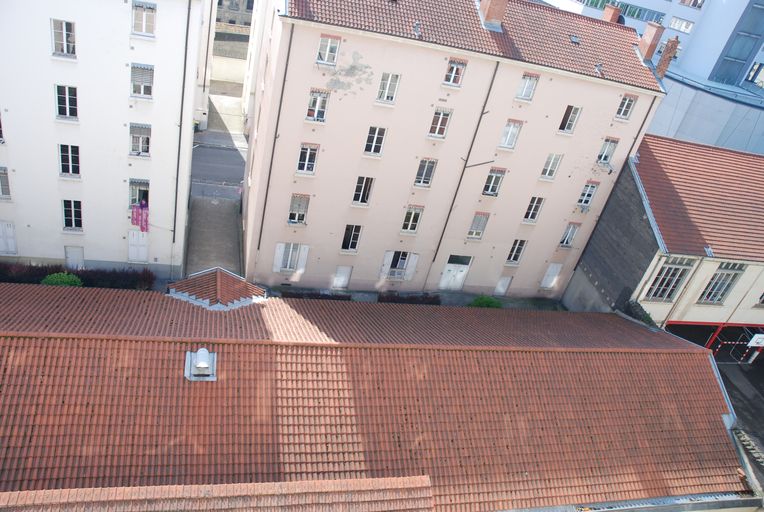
(575,40)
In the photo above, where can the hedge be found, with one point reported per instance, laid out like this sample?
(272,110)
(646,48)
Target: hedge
(92,278)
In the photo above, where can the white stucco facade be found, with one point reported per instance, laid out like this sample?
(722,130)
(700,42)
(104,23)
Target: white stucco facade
(101,66)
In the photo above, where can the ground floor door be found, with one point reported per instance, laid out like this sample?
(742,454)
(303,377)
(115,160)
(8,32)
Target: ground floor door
(502,286)
(75,257)
(455,272)
(341,278)
(138,246)
(7,238)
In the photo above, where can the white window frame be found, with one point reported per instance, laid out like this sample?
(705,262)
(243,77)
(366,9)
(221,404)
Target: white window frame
(455,72)
(439,124)
(144,18)
(298,209)
(64,38)
(363,186)
(551,166)
(721,283)
(290,257)
(527,87)
(587,195)
(607,150)
(626,106)
(353,239)
(510,134)
(317,104)
(328,49)
(569,234)
(412,219)
(695,4)
(493,182)
(140,143)
(425,172)
(307,159)
(398,264)
(478,226)
(71,110)
(681,25)
(141,80)
(534,209)
(73,207)
(388,87)
(570,119)
(66,160)
(516,252)
(136,187)
(669,279)
(5,185)
(375,140)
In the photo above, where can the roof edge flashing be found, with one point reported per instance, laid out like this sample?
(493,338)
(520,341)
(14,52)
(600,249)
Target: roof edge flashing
(646,204)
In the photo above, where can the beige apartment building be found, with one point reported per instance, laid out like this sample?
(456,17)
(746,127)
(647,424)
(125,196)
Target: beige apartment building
(416,146)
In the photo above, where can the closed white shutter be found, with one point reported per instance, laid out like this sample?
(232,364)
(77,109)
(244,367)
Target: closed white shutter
(277,257)
(550,278)
(411,266)
(143,246)
(137,246)
(502,286)
(302,260)
(386,262)
(7,238)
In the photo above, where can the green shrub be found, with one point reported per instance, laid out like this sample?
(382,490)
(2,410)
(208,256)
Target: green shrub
(485,301)
(62,279)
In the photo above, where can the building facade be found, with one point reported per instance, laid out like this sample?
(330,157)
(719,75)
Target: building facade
(390,161)
(97,130)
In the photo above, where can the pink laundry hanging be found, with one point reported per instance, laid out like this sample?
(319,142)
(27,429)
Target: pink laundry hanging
(144,219)
(135,217)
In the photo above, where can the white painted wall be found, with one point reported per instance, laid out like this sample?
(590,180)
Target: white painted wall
(101,72)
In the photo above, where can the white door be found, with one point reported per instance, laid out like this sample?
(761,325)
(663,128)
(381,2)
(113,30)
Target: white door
(550,278)
(455,272)
(7,238)
(137,246)
(75,257)
(502,286)
(341,278)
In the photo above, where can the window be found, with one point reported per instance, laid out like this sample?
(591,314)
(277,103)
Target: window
(527,86)
(144,17)
(721,283)
(5,186)
(139,193)
(69,157)
(66,101)
(142,79)
(668,279)
(493,182)
(388,86)
(626,106)
(306,164)
(140,139)
(1,130)
(298,208)
(362,190)
(72,214)
(510,134)
(63,38)
(479,222)
(534,207)
(585,199)
(439,123)
(628,10)
(569,234)
(607,150)
(681,25)
(551,165)
(327,50)
(317,105)
(692,3)
(374,140)
(516,252)
(761,299)
(290,257)
(425,172)
(250,4)
(350,240)
(411,219)
(398,265)
(568,122)
(455,72)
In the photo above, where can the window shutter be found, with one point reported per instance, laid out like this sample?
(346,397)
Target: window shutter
(386,262)
(550,278)
(411,266)
(142,74)
(277,257)
(140,129)
(302,260)
(7,238)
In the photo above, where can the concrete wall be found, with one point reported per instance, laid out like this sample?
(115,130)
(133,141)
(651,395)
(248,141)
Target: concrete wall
(32,131)
(228,69)
(352,109)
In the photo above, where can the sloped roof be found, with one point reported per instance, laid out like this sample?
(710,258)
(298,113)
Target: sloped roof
(411,494)
(532,33)
(216,287)
(704,196)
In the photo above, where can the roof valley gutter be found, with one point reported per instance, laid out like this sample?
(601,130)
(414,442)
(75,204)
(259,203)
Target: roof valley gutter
(464,168)
(180,122)
(275,135)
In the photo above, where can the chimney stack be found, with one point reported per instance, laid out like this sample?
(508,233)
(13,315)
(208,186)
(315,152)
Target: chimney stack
(650,39)
(491,14)
(669,51)
(611,13)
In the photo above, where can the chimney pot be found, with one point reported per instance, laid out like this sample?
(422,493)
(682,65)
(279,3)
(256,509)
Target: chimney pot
(492,13)
(611,13)
(650,39)
(669,51)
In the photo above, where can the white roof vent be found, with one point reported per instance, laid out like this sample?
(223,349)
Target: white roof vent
(201,365)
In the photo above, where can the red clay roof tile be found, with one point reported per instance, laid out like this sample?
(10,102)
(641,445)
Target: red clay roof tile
(532,33)
(216,287)
(704,196)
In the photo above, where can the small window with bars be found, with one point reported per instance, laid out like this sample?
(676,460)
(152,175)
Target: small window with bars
(140,139)
(551,165)
(721,283)
(63,38)
(425,172)
(534,209)
(627,105)
(69,158)
(72,215)
(298,208)
(439,123)
(477,228)
(411,219)
(493,182)
(351,237)
(516,252)
(5,185)
(527,86)
(306,162)
(142,79)
(455,72)
(669,279)
(375,140)
(388,87)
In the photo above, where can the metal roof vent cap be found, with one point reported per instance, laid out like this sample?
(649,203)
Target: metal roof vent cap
(201,365)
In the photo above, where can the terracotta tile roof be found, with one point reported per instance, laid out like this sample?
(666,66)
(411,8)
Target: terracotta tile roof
(92,311)
(532,33)
(412,494)
(704,196)
(216,287)
(493,428)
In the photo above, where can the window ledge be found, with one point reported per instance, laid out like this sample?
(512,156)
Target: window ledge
(310,120)
(508,149)
(511,263)
(68,57)
(372,155)
(325,63)
(472,239)
(451,86)
(436,137)
(349,252)
(6,199)
(69,176)
(421,187)
(303,174)
(68,119)
(297,224)
(713,304)
(524,100)
(658,301)
(548,179)
(73,231)
(407,233)
(485,194)
(141,97)
(2,141)
(359,205)
(565,134)
(142,156)
(530,222)
(563,246)
(623,120)
(383,103)
(143,35)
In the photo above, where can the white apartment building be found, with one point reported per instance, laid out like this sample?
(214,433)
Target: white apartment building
(97,130)
(405,146)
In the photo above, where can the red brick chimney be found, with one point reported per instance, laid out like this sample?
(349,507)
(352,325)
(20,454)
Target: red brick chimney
(492,12)
(611,13)
(650,39)
(672,45)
